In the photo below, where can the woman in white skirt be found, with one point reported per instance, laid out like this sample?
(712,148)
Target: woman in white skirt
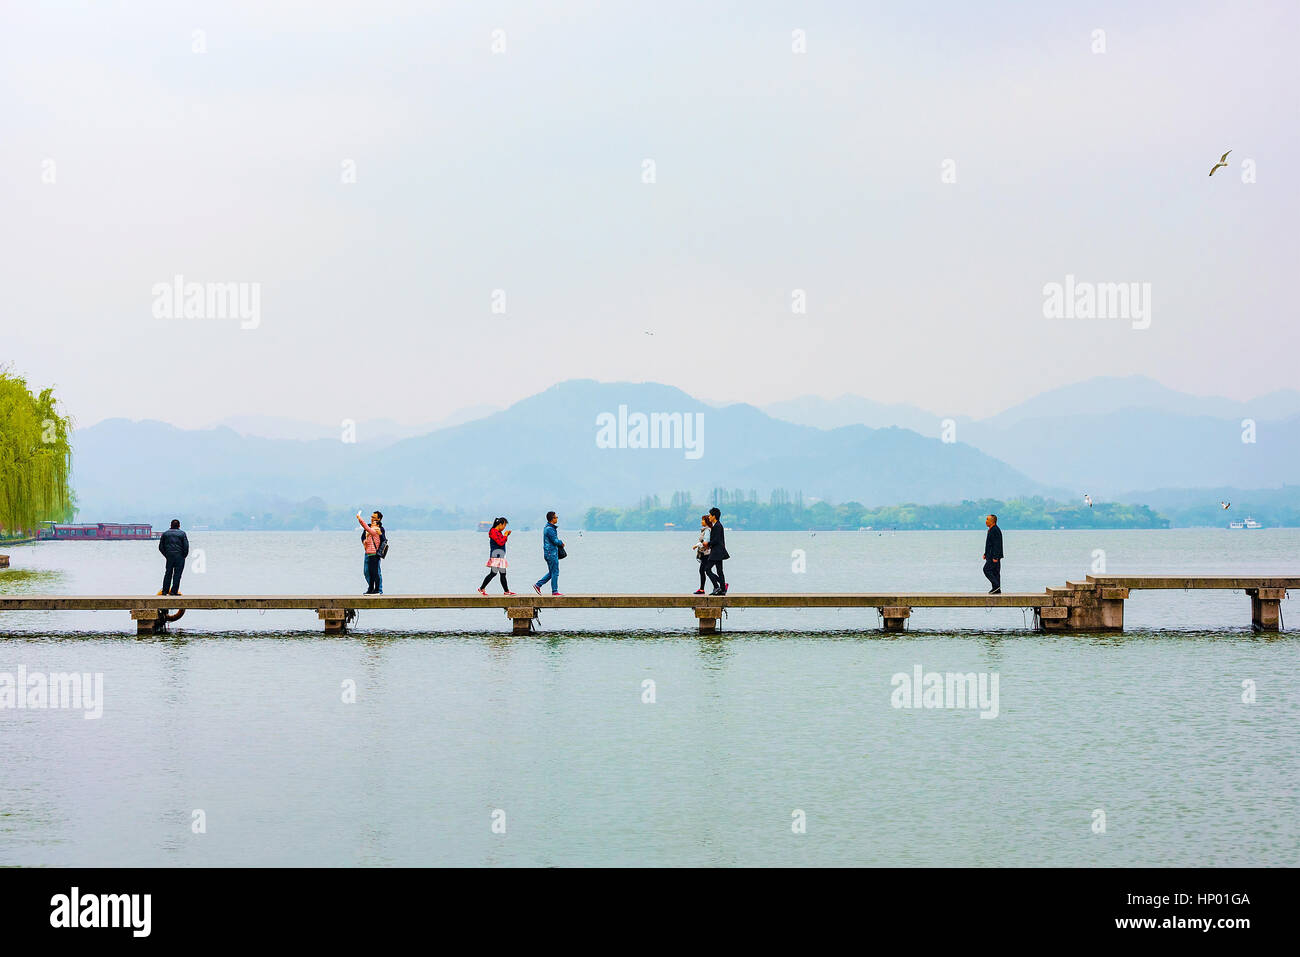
(496,563)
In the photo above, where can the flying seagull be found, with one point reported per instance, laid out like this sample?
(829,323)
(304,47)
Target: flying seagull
(1226,504)
(1223,161)
(1087,499)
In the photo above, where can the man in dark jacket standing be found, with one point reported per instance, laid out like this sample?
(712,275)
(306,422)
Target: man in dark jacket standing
(993,554)
(175,546)
(717,553)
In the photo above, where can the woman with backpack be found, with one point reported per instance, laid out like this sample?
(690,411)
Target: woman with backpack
(372,537)
(496,563)
(365,564)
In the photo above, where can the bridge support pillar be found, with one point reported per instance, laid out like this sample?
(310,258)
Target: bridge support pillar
(336,619)
(4,561)
(1053,618)
(1266,608)
(149,621)
(521,619)
(1084,606)
(709,618)
(1102,610)
(895,616)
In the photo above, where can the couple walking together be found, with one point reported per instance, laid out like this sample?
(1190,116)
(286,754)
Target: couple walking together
(711,551)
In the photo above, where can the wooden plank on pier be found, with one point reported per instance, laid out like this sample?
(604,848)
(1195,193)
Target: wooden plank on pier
(1226,582)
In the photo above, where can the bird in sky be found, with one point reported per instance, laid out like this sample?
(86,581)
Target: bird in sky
(1087,499)
(1225,504)
(1223,161)
(648,333)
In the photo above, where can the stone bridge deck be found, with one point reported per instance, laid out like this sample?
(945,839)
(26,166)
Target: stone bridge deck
(1096,604)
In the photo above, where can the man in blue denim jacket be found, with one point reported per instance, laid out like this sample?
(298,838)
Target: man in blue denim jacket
(551,546)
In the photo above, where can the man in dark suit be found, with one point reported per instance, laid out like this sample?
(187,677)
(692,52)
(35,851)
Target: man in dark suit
(993,554)
(717,553)
(175,546)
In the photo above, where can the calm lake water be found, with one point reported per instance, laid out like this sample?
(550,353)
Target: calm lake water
(785,717)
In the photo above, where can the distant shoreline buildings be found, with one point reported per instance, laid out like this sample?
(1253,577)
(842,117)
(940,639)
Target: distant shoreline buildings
(93,532)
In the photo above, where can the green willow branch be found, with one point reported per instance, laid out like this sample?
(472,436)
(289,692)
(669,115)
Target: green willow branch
(35,457)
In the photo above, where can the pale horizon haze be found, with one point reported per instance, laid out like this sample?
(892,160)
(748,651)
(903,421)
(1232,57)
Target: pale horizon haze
(220,141)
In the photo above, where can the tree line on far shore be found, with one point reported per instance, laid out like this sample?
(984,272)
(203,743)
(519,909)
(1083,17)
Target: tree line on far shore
(681,514)
(649,515)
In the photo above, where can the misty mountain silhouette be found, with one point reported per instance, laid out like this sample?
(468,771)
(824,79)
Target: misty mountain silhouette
(539,453)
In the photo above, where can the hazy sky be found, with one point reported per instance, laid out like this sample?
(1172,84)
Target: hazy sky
(522,171)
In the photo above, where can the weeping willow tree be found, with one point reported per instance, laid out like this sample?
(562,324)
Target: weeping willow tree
(35,458)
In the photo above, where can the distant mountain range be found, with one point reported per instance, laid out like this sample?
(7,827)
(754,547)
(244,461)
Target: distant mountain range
(541,452)
(854,410)
(1107,394)
(1097,396)
(372,431)
(575,446)
(1107,436)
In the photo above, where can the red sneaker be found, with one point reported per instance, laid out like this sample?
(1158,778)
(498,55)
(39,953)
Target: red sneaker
(509,593)
(698,591)
(538,589)
(482,592)
(557,594)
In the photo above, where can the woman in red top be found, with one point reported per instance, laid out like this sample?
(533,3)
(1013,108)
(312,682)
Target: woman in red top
(371,536)
(496,563)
